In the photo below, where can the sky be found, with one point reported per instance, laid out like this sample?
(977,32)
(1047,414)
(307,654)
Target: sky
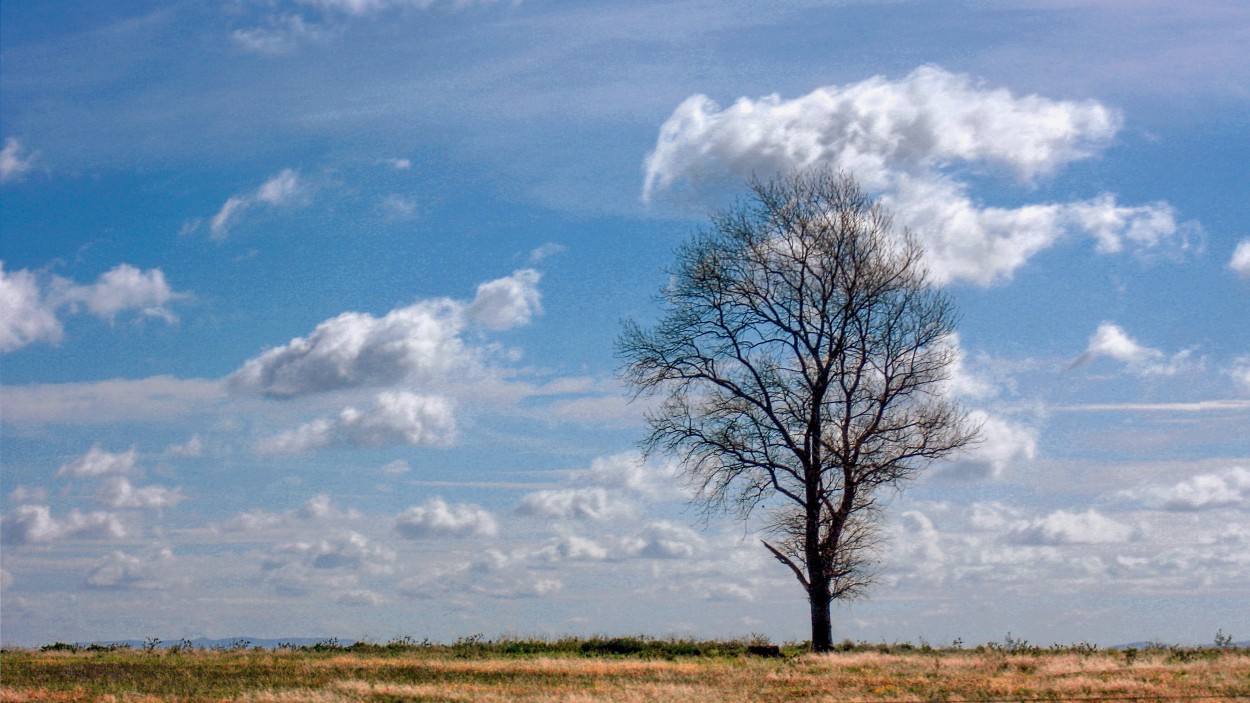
(308,312)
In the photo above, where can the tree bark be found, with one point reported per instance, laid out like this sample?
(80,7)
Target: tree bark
(822,623)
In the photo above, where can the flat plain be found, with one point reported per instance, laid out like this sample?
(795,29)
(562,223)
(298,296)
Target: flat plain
(383,674)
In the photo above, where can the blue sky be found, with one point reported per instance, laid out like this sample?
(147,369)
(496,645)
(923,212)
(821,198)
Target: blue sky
(309,311)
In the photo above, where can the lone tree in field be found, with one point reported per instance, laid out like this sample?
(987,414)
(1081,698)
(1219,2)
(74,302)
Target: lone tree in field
(801,358)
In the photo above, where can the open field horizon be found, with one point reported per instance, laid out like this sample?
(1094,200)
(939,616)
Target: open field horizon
(471,670)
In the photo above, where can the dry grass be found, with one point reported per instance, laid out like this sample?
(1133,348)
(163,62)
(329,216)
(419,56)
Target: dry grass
(336,677)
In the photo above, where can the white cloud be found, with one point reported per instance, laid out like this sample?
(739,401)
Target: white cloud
(1240,261)
(360,598)
(283,188)
(115,400)
(1064,527)
(417,343)
(351,551)
(316,510)
(399,467)
(896,137)
(580,503)
(26,316)
(1112,342)
(191,448)
(34,524)
(657,480)
(119,570)
(26,494)
(661,539)
(507,302)
(1240,372)
(399,207)
(435,518)
(125,287)
(930,118)
(13,166)
(1227,489)
(357,349)
(1003,444)
(396,417)
(97,462)
(546,251)
(118,493)
(29,311)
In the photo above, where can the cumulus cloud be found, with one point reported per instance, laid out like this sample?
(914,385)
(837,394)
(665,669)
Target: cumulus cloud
(26,316)
(97,462)
(1003,444)
(630,471)
(121,571)
(1112,342)
(1240,262)
(121,288)
(316,510)
(897,137)
(436,518)
(30,308)
(283,188)
(1226,489)
(118,493)
(357,349)
(507,302)
(416,343)
(13,165)
(34,524)
(350,551)
(580,503)
(1063,527)
(396,417)
(661,539)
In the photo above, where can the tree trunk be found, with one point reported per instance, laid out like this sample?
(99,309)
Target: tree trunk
(822,623)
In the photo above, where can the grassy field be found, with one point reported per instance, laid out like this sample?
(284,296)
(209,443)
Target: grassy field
(622,670)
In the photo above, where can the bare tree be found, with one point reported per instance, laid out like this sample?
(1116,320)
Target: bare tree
(800,358)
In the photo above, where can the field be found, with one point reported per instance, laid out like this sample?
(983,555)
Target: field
(633,670)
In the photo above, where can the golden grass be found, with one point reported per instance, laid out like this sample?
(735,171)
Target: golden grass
(287,677)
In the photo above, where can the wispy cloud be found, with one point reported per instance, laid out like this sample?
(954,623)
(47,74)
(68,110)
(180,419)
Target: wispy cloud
(15,160)
(282,189)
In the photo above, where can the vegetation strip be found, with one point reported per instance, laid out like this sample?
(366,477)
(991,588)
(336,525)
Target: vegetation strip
(624,670)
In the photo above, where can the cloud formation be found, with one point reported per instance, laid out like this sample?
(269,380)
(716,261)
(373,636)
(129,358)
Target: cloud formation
(1112,342)
(1064,527)
(283,188)
(416,343)
(396,417)
(13,166)
(30,309)
(34,524)
(97,462)
(121,571)
(436,518)
(1240,261)
(1225,489)
(898,138)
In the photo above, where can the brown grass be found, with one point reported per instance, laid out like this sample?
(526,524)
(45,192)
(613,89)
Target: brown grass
(282,677)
